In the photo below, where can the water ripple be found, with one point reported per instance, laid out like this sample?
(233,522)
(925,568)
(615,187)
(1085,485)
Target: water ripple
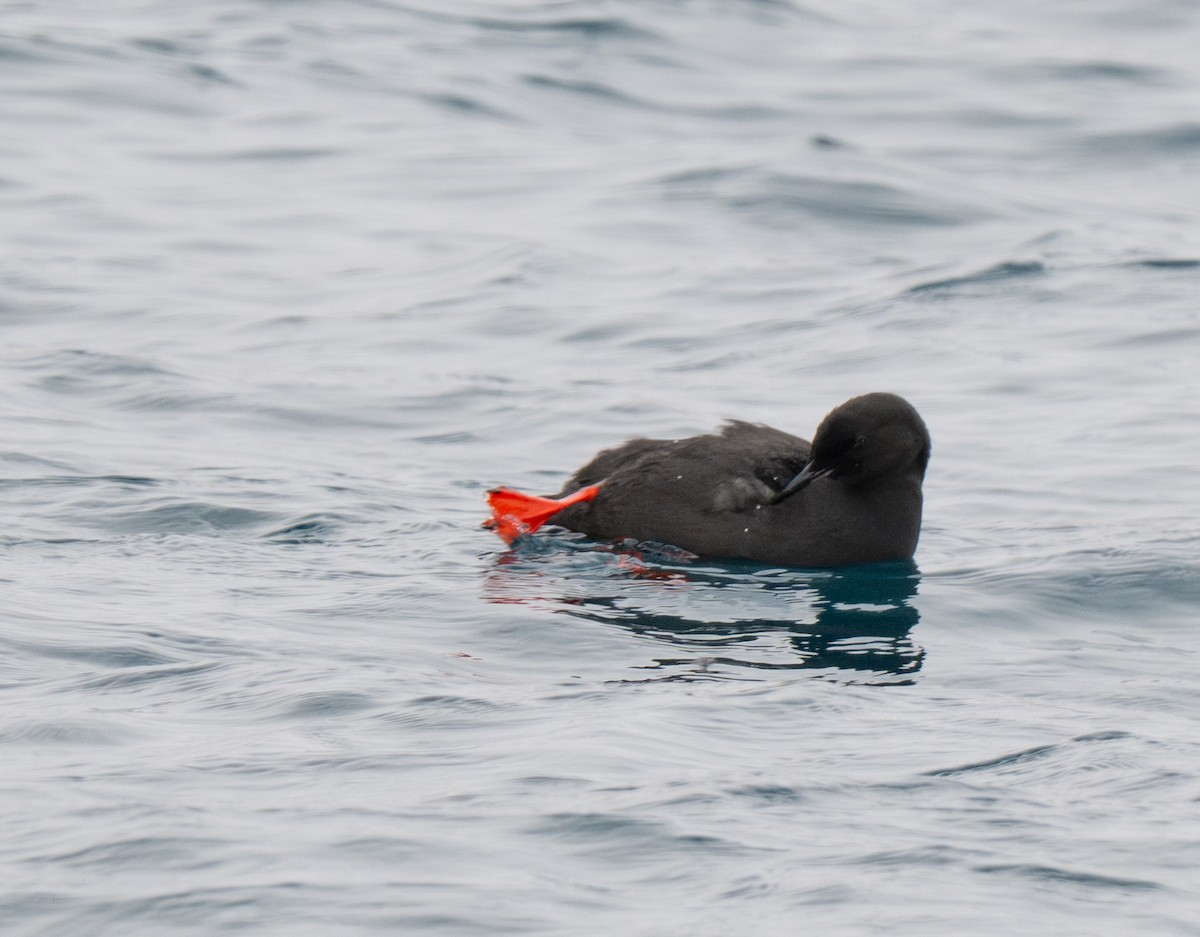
(286,286)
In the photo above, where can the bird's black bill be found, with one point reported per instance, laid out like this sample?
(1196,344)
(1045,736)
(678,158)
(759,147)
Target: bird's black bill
(807,475)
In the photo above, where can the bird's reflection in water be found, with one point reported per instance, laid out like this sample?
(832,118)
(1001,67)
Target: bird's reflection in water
(721,622)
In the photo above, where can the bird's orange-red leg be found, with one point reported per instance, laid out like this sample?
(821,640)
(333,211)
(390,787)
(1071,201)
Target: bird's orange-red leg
(515,513)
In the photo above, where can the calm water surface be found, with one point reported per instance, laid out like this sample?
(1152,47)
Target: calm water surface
(284,287)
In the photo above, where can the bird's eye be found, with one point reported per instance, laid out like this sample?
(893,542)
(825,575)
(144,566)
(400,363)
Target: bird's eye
(844,445)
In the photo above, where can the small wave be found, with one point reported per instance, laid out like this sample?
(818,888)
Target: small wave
(148,852)
(80,481)
(311,528)
(585,27)
(1171,337)
(142,676)
(541,20)
(781,199)
(326,705)
(119,656)
(266,154)
(1105,71)
(1009,270)
(464,104)
(1017,760)
(1095,584)
(68,732)
(82,370)
(589,89)
(1057,875)
(441,712)
(1170,143)
(169,516)
(1166,263)
(614,834)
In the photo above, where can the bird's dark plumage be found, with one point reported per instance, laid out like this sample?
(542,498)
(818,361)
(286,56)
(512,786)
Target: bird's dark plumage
(853,495)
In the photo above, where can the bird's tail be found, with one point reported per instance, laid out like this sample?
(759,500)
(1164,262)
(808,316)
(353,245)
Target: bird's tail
(515,513)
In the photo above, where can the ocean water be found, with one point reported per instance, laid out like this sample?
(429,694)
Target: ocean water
(286,286)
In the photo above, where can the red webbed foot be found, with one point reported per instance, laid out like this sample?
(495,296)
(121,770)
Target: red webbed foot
(515,513)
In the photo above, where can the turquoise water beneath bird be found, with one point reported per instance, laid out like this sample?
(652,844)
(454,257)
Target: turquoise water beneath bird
(286,287)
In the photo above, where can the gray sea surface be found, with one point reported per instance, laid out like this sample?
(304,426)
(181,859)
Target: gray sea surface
(286,286)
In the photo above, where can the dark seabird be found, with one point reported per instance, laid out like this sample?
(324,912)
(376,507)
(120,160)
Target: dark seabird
(852,495)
